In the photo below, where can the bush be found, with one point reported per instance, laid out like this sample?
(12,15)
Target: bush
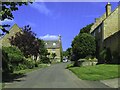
(105,56)
(45,60)
(102,56)
(116,57)
(83,45)
(14,54)
(6,67)
(29,64)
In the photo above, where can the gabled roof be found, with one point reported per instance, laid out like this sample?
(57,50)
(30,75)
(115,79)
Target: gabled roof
(11,30)
(100,20)
(52,44)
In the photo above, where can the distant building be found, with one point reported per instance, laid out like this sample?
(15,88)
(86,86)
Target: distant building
(54,46)
(106,30)
(5,39)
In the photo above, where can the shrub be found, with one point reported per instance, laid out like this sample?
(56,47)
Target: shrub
(14,54)
(102,56)
(83,45)
(6,67)
(45,60)
(105,56)
(29,64)
(116,57)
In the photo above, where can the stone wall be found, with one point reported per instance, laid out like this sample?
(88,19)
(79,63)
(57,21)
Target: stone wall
(111,24)
(98,22)
(113,42)
(57,51)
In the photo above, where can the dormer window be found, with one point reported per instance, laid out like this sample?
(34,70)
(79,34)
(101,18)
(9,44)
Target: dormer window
(54,44)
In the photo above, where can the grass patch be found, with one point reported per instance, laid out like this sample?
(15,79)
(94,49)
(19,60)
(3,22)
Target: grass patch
(98,72)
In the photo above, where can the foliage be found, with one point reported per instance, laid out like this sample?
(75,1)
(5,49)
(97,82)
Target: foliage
(6,12)
(105,56)
(29,63)
(26,42)
(42,50)
(116,57)
(68,53)
(86,29)
(14,54)
(97,72)
(5,62)
(45,60)
(53,55)
(83,45)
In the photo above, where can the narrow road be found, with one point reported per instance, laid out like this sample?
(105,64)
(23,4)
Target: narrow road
(55,76)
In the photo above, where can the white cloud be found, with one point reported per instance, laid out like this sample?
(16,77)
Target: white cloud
(49,37)
(41,7)
(7,21)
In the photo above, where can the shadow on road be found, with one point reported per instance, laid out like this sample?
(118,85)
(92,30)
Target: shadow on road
(12,77)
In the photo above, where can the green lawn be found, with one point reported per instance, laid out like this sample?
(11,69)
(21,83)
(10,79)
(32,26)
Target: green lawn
(98,72)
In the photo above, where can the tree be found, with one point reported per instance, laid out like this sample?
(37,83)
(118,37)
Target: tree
(43,52)
(68,53)
(86,29)
(26,42)
(53,55)
(83,45)
(6,12)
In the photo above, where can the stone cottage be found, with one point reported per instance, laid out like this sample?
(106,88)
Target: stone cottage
(54,46)
(106,30)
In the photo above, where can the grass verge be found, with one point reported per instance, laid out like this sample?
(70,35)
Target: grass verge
(97,72)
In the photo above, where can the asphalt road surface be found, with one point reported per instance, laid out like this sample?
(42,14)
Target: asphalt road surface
(55,76)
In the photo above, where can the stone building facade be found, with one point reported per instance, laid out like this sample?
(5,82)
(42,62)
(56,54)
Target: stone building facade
(106,30)
(5,39)
(54,46)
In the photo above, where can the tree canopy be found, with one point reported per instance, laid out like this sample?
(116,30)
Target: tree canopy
(86,29)
(6,12)
(83,45)
(26,41)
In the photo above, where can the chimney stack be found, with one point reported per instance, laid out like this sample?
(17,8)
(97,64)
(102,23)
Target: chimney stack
(59,37)
(108,9)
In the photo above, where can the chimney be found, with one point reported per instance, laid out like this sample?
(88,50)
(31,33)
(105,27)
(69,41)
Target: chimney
(59,37)
(108,9)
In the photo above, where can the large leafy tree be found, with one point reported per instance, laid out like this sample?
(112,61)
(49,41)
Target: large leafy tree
(6,12)
(26,41)
(83,45)
(86,29)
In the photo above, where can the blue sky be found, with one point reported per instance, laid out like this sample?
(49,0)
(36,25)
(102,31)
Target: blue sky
(59,18)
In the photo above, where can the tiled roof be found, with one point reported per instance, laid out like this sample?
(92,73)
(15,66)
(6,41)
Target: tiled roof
(52,44)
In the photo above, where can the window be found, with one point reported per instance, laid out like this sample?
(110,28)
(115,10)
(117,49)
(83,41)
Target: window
(54,44)
(99,29)
(93,33)
(53,50)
